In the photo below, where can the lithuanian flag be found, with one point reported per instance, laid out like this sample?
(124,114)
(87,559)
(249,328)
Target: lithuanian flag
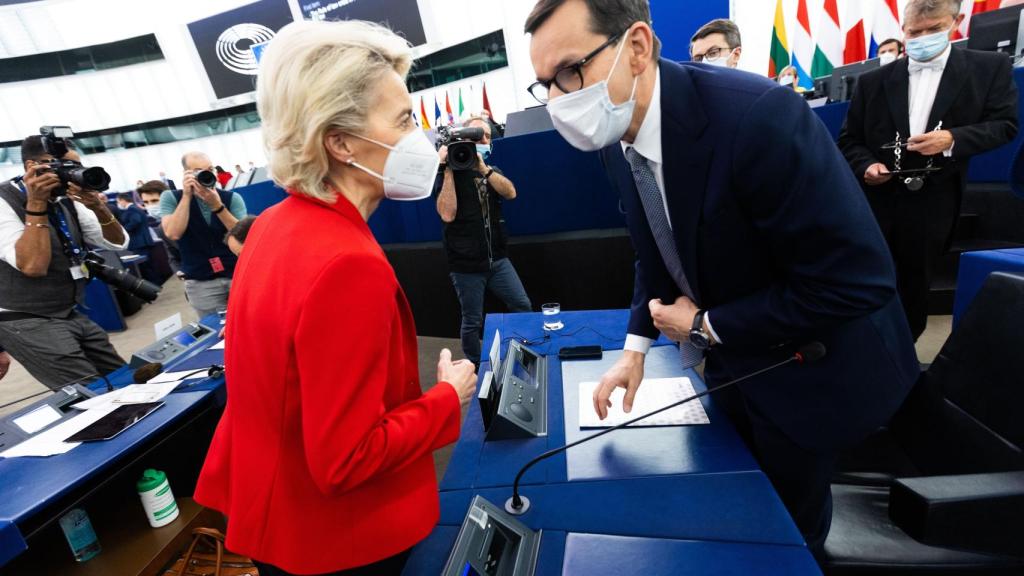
(779,56)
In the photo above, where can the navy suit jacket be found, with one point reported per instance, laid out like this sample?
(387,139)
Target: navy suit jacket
(779,244)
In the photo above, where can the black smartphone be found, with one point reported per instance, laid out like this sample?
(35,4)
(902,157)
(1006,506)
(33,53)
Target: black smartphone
(580,353)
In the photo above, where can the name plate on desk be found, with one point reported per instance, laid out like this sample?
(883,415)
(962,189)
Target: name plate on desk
(513,398)
(492,543)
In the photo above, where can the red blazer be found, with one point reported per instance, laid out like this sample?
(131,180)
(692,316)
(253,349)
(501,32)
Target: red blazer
(322,460)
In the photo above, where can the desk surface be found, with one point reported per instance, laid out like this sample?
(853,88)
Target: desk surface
(31,484)
(628,453)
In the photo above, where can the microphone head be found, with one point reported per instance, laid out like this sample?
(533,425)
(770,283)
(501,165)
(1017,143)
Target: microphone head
(147,372)
(811,352)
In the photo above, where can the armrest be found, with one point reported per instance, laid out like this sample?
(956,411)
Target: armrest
(982,512)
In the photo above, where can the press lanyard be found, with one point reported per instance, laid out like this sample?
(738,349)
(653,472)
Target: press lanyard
(73,250)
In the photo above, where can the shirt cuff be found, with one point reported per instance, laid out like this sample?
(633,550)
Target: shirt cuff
(635,343)
(949,153)
(707,320)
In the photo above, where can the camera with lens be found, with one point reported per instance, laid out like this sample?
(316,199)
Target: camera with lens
(55,143)
(461,143)
(120,278)
(206,178)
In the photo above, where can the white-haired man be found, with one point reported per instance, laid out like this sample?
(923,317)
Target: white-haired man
(923,118)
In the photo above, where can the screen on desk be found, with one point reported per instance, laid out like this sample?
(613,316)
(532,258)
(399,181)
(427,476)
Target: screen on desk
(184,338)
(525,367)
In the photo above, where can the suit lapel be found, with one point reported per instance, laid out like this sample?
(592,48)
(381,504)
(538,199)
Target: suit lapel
(897,90)
(686,159)
(953,80)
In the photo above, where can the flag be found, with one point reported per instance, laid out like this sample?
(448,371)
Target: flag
(437,112)
(803,47)
(462,108)
(423,114)
(855,48)
(829,52)
(487,103)
(969,9)
(886,25)
(448,108)
(779,55)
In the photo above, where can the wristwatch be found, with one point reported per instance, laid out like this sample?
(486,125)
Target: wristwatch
(699,337)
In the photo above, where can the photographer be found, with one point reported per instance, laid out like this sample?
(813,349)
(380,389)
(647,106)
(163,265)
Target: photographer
(43,238)
(469,203)
(198,217)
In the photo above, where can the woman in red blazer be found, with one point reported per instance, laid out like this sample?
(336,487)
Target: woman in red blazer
(322,461)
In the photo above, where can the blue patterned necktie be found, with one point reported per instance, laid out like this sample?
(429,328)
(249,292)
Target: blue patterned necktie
(654,208)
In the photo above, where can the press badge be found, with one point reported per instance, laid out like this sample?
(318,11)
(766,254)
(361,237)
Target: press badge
(79,272)
(216,264)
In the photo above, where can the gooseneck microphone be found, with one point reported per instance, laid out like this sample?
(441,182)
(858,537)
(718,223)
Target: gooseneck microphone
(518,505)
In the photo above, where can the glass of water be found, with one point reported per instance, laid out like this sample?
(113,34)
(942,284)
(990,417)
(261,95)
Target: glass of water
(552,317)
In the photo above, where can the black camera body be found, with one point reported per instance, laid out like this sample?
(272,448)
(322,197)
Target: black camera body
(55,143)
(461,143)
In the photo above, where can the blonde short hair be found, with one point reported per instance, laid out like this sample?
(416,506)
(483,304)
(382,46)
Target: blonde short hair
(316,76)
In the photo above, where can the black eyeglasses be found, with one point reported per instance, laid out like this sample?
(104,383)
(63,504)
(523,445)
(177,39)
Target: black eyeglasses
(711,54)
(568,78)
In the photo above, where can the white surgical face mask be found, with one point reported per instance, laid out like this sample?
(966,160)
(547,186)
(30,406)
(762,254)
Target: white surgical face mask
(410,168)
(588,119)
(787,80)
(886,59)
(483,150)
(722,61)
(153,210)
(925,48)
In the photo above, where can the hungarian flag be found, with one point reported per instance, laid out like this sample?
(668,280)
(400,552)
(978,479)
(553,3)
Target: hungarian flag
(856,47)
(803,47)
(829,52)
(462,108)
(448,108)
(423,114)
(487,103)
(779,55)
(886,25)
(437,112)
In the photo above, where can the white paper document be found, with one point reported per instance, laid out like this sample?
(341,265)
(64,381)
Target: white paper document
(177,377)
(218,345)
(51,442)
(653,393)
(133,394)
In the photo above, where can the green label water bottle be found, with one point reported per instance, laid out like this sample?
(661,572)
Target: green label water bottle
(157,498)
(80,535)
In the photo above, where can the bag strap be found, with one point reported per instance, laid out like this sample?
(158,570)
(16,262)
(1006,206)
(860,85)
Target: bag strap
(197,535)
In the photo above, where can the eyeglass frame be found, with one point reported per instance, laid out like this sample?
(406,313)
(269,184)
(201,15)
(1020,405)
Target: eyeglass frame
(698,58)
(577,66)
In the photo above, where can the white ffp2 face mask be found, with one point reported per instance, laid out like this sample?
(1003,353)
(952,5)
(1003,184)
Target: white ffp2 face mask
(587,119)
(410,168)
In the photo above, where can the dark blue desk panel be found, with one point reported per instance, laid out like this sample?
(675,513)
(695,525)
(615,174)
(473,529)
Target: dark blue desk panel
(600,555)
(101,306)
(730,507)
(639,452)
(29,485)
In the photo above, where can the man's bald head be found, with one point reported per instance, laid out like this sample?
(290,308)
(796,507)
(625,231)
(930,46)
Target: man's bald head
(196,161)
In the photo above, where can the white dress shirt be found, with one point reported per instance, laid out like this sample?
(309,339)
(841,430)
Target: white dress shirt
(924,86)
(648,144)
(11,229)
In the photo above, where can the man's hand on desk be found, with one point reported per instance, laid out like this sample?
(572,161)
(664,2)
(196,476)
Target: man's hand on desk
(674,321)
(627,373)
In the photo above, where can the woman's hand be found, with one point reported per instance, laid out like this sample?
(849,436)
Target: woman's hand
(460,374)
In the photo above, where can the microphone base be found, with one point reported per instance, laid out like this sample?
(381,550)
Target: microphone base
(520,511)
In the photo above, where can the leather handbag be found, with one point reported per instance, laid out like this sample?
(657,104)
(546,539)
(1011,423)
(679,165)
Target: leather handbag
(206,556)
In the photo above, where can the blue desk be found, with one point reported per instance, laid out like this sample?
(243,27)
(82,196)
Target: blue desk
(673,500)
(629,453)
(975,268)
(32,485)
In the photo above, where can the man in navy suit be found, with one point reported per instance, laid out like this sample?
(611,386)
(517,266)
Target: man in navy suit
(752,238)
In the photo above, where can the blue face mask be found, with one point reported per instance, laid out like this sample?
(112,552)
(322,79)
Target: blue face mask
(483,150)
(925,48)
